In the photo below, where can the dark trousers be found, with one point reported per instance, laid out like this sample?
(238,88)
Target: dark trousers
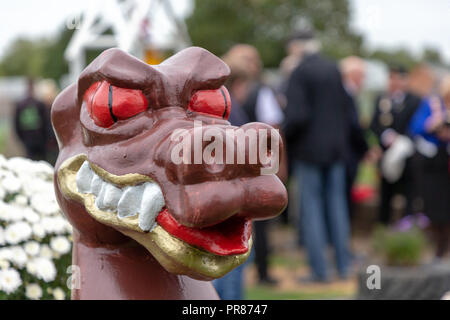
(388,190)
(261,247)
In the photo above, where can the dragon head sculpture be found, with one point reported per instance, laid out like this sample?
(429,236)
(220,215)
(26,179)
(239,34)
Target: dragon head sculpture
(115,179)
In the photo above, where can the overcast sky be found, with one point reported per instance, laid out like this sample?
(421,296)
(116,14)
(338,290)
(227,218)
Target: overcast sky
(413,24)
(409,23)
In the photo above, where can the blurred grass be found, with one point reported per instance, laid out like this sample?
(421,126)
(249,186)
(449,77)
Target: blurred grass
(287,261)
(3,136)
(267,293)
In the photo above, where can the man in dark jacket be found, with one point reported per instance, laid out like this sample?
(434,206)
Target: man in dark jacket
(316,131)
(393,112)
(31,122)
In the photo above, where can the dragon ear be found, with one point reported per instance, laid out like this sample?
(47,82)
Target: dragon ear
(215,103)
(106,104)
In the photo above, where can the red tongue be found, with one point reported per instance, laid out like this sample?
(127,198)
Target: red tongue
(226,238)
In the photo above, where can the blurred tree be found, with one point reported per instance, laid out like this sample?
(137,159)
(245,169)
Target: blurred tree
(54,65)
(266,24)
(398,56)
(432,55)
(37,58)
(23,57)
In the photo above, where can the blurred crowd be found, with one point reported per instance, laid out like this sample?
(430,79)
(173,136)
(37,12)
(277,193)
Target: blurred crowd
(314,104)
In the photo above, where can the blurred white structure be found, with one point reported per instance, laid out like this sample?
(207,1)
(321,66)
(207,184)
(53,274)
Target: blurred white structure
(131,25)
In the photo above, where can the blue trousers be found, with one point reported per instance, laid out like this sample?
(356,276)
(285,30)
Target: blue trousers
(230,286)
(324,215)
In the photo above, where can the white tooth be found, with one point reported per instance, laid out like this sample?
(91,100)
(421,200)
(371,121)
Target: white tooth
(96,184)
(151,205)
(112,196)
(84,178)
(130,201)
(99,200)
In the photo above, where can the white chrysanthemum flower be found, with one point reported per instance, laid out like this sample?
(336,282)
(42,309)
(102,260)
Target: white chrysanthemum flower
(59,225)
(18,256)
(31,216)
(4,211)
(32,185)
(17,232)
(21,200)
(15,213)
(46,252)
(38,230)
(11,184)
(2,236)
(3,161)
(45,203)
(33,291)
(45,269)
(60,244)
(48,224)
(31,267)
(10,280)
(58,294)
(68,227)
(32,248)
(2,193)
(4,264)
(54,224)
(5,254)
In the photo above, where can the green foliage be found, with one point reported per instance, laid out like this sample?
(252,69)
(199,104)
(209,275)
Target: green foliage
(266,24)
(3,136)
(400,56)
(37,58)
(432,55)
(400,248)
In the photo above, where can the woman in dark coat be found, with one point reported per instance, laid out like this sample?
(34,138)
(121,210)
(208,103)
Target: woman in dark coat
(430,128)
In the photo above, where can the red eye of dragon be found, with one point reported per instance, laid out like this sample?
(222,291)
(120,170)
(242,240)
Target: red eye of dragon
(215,103)
(106,104)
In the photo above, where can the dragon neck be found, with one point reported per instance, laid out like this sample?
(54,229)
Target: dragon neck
(128,272)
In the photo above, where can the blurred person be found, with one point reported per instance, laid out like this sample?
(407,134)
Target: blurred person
(46,91)
(421,80)
(260,105)
(296,48)
(393,112)
(430,129)
(353,73)
(31,123)
(316,125)
(230,286)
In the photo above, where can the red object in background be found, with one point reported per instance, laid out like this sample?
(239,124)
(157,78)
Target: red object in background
(226,238)
(362,193)
(107,104)
(215,103)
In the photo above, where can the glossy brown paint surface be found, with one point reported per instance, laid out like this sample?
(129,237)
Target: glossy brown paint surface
(112,265)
